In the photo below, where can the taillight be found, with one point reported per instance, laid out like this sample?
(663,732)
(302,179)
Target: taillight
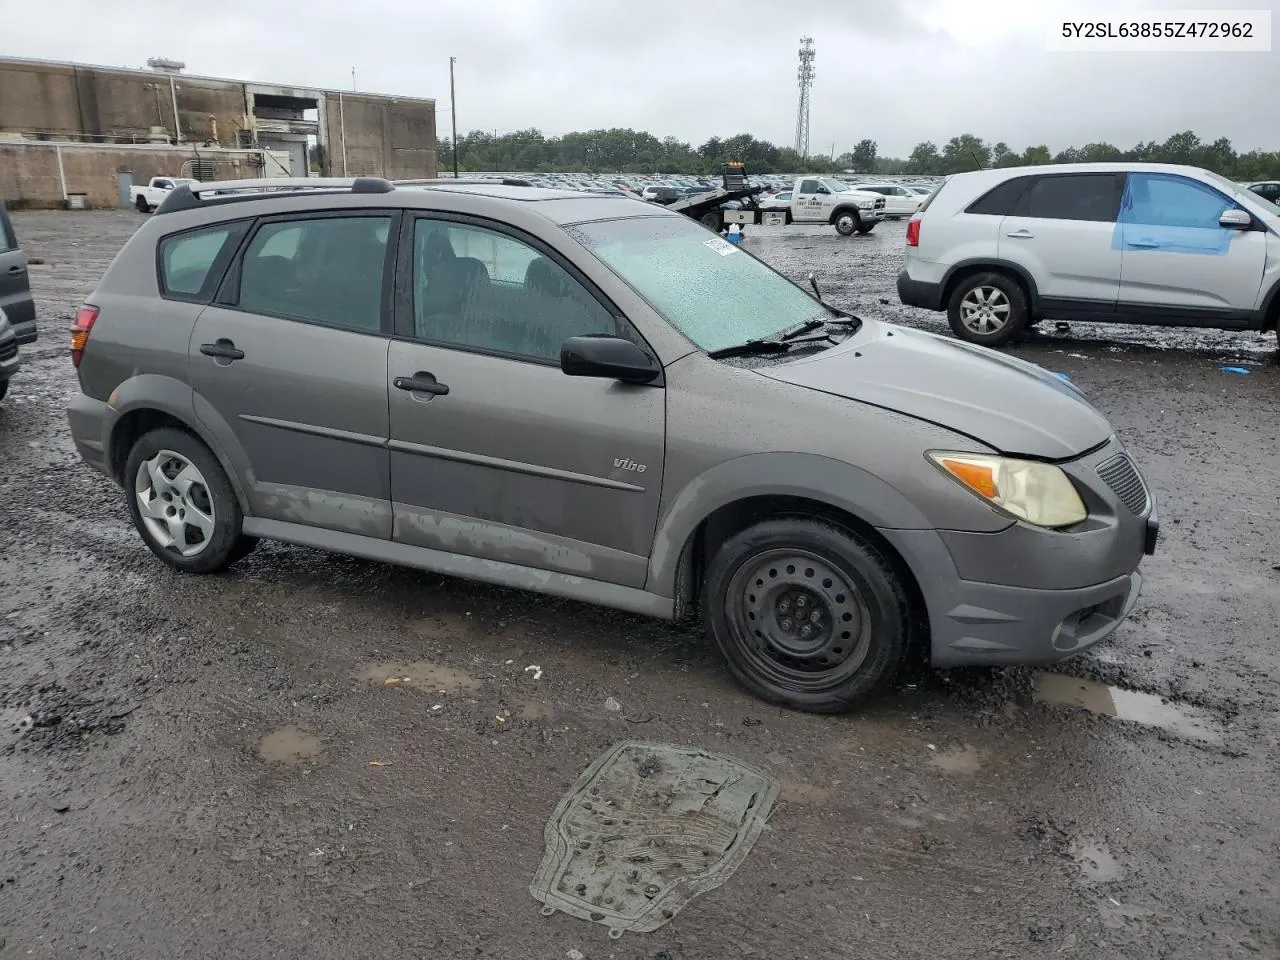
(913,232)
(85,317)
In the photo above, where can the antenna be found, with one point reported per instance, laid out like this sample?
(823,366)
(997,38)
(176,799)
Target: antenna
(805,76)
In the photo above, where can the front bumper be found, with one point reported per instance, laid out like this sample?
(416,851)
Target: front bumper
(919,293)
(10,360)
(26,331)
(1031,596)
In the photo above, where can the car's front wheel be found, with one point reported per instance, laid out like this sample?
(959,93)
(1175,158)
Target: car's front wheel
(806,613)
(865,228)
(987,309)
(847,222)
(182,503)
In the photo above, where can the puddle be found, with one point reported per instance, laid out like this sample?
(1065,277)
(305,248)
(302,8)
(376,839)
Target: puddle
(966,760)
(804,794)
(535,710)
(290,746)
(1096,862)
(423,674)
(1144,708)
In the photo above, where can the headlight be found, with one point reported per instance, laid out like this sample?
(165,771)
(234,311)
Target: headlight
(1038,493)
(866,204)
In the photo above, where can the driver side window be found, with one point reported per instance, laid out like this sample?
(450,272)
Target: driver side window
(479,289)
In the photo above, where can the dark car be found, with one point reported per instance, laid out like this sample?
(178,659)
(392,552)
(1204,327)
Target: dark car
(15,285)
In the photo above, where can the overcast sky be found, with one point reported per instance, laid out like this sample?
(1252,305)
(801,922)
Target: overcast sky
(897,71)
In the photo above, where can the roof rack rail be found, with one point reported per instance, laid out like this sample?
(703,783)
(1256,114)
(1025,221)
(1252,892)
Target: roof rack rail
(187,196)
(465,181)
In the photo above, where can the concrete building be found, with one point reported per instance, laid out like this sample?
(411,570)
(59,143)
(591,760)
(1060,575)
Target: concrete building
(70,129)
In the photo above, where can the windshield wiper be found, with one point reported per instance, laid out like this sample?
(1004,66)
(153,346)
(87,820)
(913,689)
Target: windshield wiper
(784,340)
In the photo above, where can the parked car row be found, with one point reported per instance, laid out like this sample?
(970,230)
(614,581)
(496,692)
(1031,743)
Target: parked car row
(17,308)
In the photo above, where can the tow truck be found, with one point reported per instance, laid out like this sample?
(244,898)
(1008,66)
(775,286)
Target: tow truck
(813,200)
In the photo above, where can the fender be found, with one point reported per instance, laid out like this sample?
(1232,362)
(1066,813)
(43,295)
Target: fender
(149,391)
(990,263)
(845,208)
(1269,300)
(809,476)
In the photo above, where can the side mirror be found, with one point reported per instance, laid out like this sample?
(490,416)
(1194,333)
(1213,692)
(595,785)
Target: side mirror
(612,358)
(1236,219)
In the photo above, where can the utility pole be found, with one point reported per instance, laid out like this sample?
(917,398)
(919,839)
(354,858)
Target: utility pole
(353,78)
(453,114)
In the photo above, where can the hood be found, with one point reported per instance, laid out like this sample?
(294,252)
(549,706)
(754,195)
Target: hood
(1008,404)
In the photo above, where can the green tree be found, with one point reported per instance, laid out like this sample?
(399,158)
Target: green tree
(965,152)
(1036,156)
(863,156)
(1100,153)
(1000,155)
(925,159)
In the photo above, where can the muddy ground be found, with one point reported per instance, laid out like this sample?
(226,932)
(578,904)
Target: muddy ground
(216,767)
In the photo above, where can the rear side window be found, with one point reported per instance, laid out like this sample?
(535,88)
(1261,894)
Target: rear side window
(809,186)
(326,270)
(7,240)
(1074,196)
(933,196)
(192,263)
(1001,199)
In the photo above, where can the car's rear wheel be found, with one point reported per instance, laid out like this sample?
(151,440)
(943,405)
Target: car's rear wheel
(866,228)
(847,222)
(807,614)
(4,388)
(182,503)
(711,220)
(787,218)
(142,206)
(988,309)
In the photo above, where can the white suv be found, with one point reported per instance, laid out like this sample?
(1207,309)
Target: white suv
(1146,243)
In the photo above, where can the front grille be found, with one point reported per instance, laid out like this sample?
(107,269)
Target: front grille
(1123,478)
(8,350)
(879,204)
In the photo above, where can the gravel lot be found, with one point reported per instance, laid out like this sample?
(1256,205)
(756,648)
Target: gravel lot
(187,765)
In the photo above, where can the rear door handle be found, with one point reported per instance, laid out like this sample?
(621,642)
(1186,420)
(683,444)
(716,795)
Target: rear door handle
(17,268)
(222,350)
(1144,244)
(421,382)
(1021,235)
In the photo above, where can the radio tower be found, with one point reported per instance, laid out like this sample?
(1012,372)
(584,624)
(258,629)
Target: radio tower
(805,76)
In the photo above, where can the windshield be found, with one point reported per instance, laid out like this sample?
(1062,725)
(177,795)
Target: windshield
(839,186)
(1233,189)
(713,292)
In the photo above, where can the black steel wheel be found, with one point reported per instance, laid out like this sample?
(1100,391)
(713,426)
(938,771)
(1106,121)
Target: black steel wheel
(807,614)
(142,205)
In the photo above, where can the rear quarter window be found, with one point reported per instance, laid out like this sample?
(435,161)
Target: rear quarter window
(1001,199)
(933,196)
(192,263)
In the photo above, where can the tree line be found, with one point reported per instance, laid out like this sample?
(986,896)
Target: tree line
(622,150)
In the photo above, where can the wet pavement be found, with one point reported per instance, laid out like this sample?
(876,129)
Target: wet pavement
(316,756)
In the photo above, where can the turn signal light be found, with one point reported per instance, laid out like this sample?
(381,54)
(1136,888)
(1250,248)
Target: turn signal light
(913,232)
(85,318)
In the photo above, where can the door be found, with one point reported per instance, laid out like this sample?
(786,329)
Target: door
(900,202)
(292,356)
(15,284)
(811,202)
(495,452)
(124,188)
(1062,233)
(1180,264)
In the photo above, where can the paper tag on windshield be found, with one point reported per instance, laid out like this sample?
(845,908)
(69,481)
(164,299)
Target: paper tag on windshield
(720,246)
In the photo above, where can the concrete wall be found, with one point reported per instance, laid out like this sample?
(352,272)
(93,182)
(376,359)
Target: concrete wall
(64,101)
(29,172)
(382,137)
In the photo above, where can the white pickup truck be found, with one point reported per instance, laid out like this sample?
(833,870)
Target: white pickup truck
(149,197)
(828,200)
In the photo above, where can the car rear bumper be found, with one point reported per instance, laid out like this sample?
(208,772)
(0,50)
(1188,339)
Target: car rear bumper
(919,293)
(89,420)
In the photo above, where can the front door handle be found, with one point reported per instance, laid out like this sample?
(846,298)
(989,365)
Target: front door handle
(1144,244)
(421,382)
(1021,235)
(222,350)
(17,268)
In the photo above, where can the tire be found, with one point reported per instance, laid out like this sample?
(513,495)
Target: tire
(857,605)
(141,204)
(167,455)
(788,219)
(847,222)
(4,388)
(711,220)
(988,309)
(865,229)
